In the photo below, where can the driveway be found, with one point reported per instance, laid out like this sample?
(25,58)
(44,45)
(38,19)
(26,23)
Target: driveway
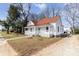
(5,48)
(65,47)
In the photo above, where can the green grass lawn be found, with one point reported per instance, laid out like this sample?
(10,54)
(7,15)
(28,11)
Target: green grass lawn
(30,46)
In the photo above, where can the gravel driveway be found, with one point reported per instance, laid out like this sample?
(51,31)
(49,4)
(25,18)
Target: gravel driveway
(5,48)
(65,47)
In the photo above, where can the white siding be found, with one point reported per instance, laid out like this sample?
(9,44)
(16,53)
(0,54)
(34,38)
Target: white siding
(44,32)
(59,25)
(30,32)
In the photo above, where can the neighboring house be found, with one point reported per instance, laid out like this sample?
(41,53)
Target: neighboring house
(46,27)
(1,27)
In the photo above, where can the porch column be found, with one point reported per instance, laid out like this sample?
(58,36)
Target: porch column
(55,30)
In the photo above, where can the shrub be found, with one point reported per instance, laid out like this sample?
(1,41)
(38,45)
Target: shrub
(76,31)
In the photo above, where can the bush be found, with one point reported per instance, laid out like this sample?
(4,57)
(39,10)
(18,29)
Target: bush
(76,31)
(11,30)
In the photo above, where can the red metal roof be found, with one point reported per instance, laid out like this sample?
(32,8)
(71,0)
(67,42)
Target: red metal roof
(47,21)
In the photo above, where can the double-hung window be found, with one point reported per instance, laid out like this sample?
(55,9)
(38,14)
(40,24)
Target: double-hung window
(47,28)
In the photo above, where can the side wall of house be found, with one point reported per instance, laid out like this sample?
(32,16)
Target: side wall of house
(48,30)
(53,29)
(59,28)
(43,31)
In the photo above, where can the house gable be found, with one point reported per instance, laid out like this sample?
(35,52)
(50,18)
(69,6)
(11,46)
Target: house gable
(30,23)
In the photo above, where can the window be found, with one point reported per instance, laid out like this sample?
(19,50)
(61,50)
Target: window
(47,28)
(58,28)
(26,29)
(39,29)
(30,29)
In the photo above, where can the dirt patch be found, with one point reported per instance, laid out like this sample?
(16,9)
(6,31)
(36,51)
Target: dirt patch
(30,46)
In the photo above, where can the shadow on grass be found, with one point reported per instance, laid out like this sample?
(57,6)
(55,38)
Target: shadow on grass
(30,46)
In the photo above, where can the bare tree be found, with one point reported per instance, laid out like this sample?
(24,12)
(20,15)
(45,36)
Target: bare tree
(50,12)
(26,14)
(71,12)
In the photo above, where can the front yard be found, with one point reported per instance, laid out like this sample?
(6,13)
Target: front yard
(11,35)
(30,46)
(24,45)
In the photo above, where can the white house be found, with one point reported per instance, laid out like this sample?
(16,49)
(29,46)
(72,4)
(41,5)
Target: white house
(46,27)
(1,27)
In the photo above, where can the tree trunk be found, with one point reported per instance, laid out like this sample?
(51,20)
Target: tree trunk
(7,30)
(73,32)
(22,30)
